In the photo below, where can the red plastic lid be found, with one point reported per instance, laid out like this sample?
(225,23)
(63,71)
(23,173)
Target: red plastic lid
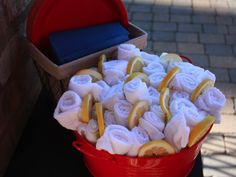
(48,16)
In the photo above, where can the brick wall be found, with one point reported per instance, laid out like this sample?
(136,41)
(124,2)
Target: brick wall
(19,83)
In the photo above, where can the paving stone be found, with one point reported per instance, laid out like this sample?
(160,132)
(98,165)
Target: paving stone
(161,17)
(234,49)
(199,60)
(223,11)
(186,27)
(222,75)
(231,39)
(164,47)
(161,36)
(232,73)
(227,124)
(218,49)
(219,3)
(140,8)
(218,29)
(204,19)
(165,26)
(229,106)
(142,16)
(214,143)
(223,61)
(232,29)
(146,25)
(229,89)
(204,3)
(181,10)
(144,2)
(190,48)
(165,2)
(211,38)
(182,3)
(203,11)
(219,165)
(230,143)
(160,9)
(226,20)
(180,18)
(186,37)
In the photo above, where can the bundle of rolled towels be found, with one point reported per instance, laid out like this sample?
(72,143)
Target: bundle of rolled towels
(118,96)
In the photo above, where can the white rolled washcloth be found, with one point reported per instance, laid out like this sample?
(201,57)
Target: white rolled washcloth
(136,90)
(81,84)
(99,89)
(149,58)
(121,110)
(153,67)
(156,78)
(152,125)
(116,140)
(212,101)
(114,94)
(189,110)
(154,95)
(109,118)
(127,51)
(140,137)
(183,82)
(178,94)
(67,112)
(177,132)
(91,131)
(158,111)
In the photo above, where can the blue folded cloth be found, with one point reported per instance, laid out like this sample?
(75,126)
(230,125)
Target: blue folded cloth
(73,44)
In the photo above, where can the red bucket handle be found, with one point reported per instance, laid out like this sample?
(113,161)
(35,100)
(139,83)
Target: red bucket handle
(186,58)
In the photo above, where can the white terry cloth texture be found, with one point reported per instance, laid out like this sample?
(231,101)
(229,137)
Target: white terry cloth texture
(177,132)
(99,89)
(178,94)
(149,58)
(140,137)
(109,118)
(158,111)
(136,90)
(156,78)
(116,140)
(67,112)
(81,84)
(154,95)
(91,132)
(153,67)
(127,52)
(121,110)
(212,101)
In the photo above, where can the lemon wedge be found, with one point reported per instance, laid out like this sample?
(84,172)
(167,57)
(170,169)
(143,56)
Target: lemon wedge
(86,108)
(94,74)
(135,65)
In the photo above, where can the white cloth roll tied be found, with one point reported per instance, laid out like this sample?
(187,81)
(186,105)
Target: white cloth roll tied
(158,111)
(177,132)
(156,78)
(136,90)
(154,95)
(183,82)
(67,112)
(153,67)
(140,137)
(91,132)
(81,84)
(154,120)
(116,64)
(109,118)
(121,110)
(149,58)
(179,94)
(116,140)
(127,51)
(113,76)
(114,94)
(99,89)
(206,75)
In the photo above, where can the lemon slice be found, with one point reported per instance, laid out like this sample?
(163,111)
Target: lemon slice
(140,75)
(200,88)
(169,76)
(136,112)
(164,103)
(199,130)
(101,60)
(100,118)
(171,57)
(86,108)
(94,74)
(156,148)
(135,65)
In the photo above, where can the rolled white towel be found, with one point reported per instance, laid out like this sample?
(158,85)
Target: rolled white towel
(109,118)
(154,95)
(154,120)
(116,140)
(114,94)
(183,82)
(67,112)
(177,132)
(179,94)
(81,84)
(81,128)
(121,110)
(140,137)
(99,89)
(156,78)
(164,62)
(158,111)
(120,65)
(127,51)
(136,90)
(206,75)
(149,58)
(91,132)
(153,67)
(113,76)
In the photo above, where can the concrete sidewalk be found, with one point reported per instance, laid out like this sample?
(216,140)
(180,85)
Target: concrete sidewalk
(204,30)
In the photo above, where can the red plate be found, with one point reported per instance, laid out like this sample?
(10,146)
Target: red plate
(48,16)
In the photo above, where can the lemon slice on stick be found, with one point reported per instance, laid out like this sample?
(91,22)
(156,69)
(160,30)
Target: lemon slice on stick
(135,65)
(101,60)
(164,103)
(199,130)
(171,57)
(140,75)
(200,88)
(86,108)
(169,76)
(156,148)
(94,74)
(136,112)
(100,118)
